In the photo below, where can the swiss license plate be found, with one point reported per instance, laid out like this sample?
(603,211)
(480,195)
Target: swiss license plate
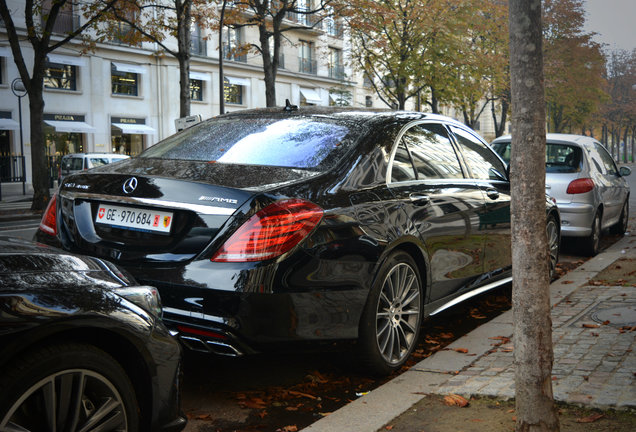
(134,218)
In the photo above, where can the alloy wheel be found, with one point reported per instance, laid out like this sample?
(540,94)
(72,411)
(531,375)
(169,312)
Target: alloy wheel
(398,313)
(74,400)
(553,245)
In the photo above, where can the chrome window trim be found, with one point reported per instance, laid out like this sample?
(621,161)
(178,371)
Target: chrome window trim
(198,208)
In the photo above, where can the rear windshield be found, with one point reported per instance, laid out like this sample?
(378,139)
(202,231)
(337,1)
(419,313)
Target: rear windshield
(72,164)
(294,142)
(559,158)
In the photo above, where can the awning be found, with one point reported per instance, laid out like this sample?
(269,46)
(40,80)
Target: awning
(5,51)
(8,124)
(238,81)
(134,129)
(67,60)
(70,126)
(311,96)
(130,68)
(200,76)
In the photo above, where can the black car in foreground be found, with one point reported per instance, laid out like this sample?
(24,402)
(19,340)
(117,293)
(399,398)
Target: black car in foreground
(286,224)
(82,347)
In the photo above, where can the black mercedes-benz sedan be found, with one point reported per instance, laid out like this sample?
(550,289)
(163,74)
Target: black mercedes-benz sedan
(82,346)
(285,224)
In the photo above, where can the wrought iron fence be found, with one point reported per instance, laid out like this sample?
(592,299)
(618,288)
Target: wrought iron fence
(11,169)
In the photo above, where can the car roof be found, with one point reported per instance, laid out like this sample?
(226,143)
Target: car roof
(79,155)
(581,140)
(351,113)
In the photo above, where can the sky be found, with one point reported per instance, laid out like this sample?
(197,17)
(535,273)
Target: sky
(614,21)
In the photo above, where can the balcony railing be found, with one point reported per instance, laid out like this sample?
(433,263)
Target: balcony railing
(65,22)
(229,53)
(310,20)
(334,29)
(337,72)
(124,34)
(307,66)
(198,46)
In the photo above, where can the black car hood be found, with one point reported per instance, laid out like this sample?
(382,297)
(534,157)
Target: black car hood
(252,177)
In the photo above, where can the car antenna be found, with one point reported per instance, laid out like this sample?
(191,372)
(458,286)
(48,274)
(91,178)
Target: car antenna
(289,107)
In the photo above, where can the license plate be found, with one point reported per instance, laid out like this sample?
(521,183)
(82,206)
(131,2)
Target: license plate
(134,218)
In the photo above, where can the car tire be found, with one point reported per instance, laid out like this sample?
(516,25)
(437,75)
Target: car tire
(85,384)
(593,241)
(554,243)
(390,324)
(621,225)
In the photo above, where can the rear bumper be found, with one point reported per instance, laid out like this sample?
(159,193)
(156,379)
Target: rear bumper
(576,219)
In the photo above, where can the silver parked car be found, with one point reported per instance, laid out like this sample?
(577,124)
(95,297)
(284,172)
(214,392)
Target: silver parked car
(76,162)
(590,190)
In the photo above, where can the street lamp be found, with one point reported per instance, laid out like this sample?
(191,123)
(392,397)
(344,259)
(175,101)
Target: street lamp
(18,89)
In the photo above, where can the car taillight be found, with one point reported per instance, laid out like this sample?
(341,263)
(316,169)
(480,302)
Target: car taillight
(580,186)
(48,224)
(271,232)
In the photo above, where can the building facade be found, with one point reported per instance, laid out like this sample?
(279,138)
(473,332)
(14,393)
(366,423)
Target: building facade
(122,98)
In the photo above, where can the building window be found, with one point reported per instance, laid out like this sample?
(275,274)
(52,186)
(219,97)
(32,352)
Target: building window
(124,83)
(66,21)
(196,89)
(122,32)
(232,45)
(368,101)
(233,93)
(332,24)
(336,68)
(306,61)
(198,44)
(60,76)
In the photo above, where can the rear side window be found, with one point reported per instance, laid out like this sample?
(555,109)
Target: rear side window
(432,152)
(606,160)
(294,142)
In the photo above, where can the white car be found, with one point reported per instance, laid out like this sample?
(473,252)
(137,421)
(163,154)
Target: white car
(589,188)
(76,162)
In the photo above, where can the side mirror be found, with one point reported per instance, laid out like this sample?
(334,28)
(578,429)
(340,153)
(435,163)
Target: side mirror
(624,171)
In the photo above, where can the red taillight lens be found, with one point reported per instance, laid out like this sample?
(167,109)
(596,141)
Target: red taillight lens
(48,224)
(271,232)
(580,186)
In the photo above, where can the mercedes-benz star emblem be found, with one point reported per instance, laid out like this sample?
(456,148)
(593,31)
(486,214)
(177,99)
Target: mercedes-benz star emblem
(130,185)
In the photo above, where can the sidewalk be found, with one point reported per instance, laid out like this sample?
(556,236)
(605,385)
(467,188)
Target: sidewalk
(594,352)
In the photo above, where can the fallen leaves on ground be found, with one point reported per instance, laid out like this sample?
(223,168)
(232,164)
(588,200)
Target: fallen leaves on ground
(590,326)
(290,428)
(591,418)
(455,400)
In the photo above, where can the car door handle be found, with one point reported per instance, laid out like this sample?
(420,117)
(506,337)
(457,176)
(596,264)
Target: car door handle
(492,193)
(418,199)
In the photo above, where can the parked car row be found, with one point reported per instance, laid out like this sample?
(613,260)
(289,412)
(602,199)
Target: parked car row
(265,226)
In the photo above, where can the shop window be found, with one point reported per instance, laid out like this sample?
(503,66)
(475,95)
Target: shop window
(60,76)
(128,144)
(233,93)
(196,89)
(63,142)
(124,83)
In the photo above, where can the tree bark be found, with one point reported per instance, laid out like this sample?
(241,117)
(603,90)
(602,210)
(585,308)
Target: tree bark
(184,16)
(532,336)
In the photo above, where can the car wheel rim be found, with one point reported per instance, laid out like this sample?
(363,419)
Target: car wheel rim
(77,399)
(398,313)
(553,245)
(596,232)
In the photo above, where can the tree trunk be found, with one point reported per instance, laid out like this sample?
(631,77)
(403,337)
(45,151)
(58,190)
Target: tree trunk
(184,44)
(39,169)
(269,66)
(532,336)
